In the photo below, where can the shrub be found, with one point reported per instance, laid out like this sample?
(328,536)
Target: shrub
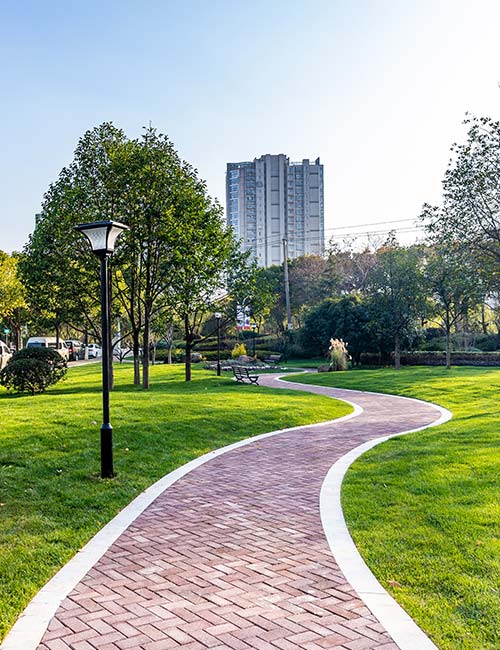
(238,351)
(339,357)
(33,370)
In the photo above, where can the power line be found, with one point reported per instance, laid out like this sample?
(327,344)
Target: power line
(367,225)
(276,239)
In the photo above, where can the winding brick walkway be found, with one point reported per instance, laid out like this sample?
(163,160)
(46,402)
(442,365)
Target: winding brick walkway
(233,555)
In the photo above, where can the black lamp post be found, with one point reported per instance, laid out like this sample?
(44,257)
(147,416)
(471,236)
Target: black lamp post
(102,236)
(218,316)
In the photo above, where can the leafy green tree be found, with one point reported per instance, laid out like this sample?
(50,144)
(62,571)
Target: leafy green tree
(206,264)
(397,290)
(13,308)
(58,268)
(348,270)
(272,278)
(308,285)
(455,284)
(345,318)
(470,212)
(155,203)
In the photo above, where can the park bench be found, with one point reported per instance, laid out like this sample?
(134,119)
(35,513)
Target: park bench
(273,358)
(242,374)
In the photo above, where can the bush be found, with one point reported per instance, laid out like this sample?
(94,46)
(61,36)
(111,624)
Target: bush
(338,355)
(238,351)
(33,370)
(435,359)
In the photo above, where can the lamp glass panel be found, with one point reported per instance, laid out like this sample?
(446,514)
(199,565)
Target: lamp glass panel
(113,234)
(218,314)
(97,237)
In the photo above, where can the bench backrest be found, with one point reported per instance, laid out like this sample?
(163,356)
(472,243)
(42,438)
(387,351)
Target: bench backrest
(239,371)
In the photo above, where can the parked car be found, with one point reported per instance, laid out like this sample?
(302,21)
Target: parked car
(75,349)
(94,350)
(49,342)
(5,355)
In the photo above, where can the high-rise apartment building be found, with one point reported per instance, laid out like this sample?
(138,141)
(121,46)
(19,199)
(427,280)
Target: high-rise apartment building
(271,199)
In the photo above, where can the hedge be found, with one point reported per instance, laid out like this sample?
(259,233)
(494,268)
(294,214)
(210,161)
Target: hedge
(436,359)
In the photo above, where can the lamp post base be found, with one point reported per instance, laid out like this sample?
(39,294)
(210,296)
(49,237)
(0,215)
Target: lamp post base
(107,451)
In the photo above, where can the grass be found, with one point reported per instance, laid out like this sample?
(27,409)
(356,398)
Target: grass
(51,498)
(303,363)
(424,509)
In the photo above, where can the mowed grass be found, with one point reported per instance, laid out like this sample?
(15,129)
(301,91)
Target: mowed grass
(424,509)
(51,498)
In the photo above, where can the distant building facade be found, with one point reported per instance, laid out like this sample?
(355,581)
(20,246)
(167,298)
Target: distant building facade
(271,199)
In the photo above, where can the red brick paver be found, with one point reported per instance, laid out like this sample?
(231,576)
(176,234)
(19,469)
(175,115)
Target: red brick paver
(233,555)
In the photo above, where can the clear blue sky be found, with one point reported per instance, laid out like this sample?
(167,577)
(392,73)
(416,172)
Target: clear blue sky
(377,88)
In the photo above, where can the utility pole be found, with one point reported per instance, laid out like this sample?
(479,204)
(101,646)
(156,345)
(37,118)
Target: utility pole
(287,285)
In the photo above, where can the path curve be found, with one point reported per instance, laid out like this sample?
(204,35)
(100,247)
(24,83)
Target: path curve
(233,554)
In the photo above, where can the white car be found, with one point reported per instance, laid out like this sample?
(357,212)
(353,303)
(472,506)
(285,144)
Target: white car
(94,351)
(5,355)
(49,342)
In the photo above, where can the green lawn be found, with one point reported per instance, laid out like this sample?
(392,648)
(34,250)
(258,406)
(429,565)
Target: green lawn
(51,499)
(424,509)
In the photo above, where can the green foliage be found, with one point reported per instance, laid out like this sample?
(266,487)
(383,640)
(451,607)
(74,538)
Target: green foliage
(176,258)
(398,295)
(344,318)
(455,284)
(471,192)
(13,308)
(239,350)
(33,370)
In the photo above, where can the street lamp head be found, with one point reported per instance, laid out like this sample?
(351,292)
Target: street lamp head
(102,235)
(218,315)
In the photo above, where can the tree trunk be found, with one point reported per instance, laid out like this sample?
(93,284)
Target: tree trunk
(137,361)
(448,348)
(145,354)
(170,342)
(189,347)
(484,324)
(19,338)
(397,352)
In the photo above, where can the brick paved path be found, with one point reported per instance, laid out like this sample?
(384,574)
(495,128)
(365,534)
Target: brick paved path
(233,555)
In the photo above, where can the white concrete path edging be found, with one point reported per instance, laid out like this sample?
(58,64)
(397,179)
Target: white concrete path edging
(31,625)
(402,628)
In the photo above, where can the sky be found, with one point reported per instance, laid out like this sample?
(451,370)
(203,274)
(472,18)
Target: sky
(378,89)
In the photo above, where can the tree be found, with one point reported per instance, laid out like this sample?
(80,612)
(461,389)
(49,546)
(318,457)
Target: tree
(58,268)
(157,200)
(12,296)
(345,318)
(307,281)
(397,290)
(470,212)
(455,284)
(348,270)
(206,265)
